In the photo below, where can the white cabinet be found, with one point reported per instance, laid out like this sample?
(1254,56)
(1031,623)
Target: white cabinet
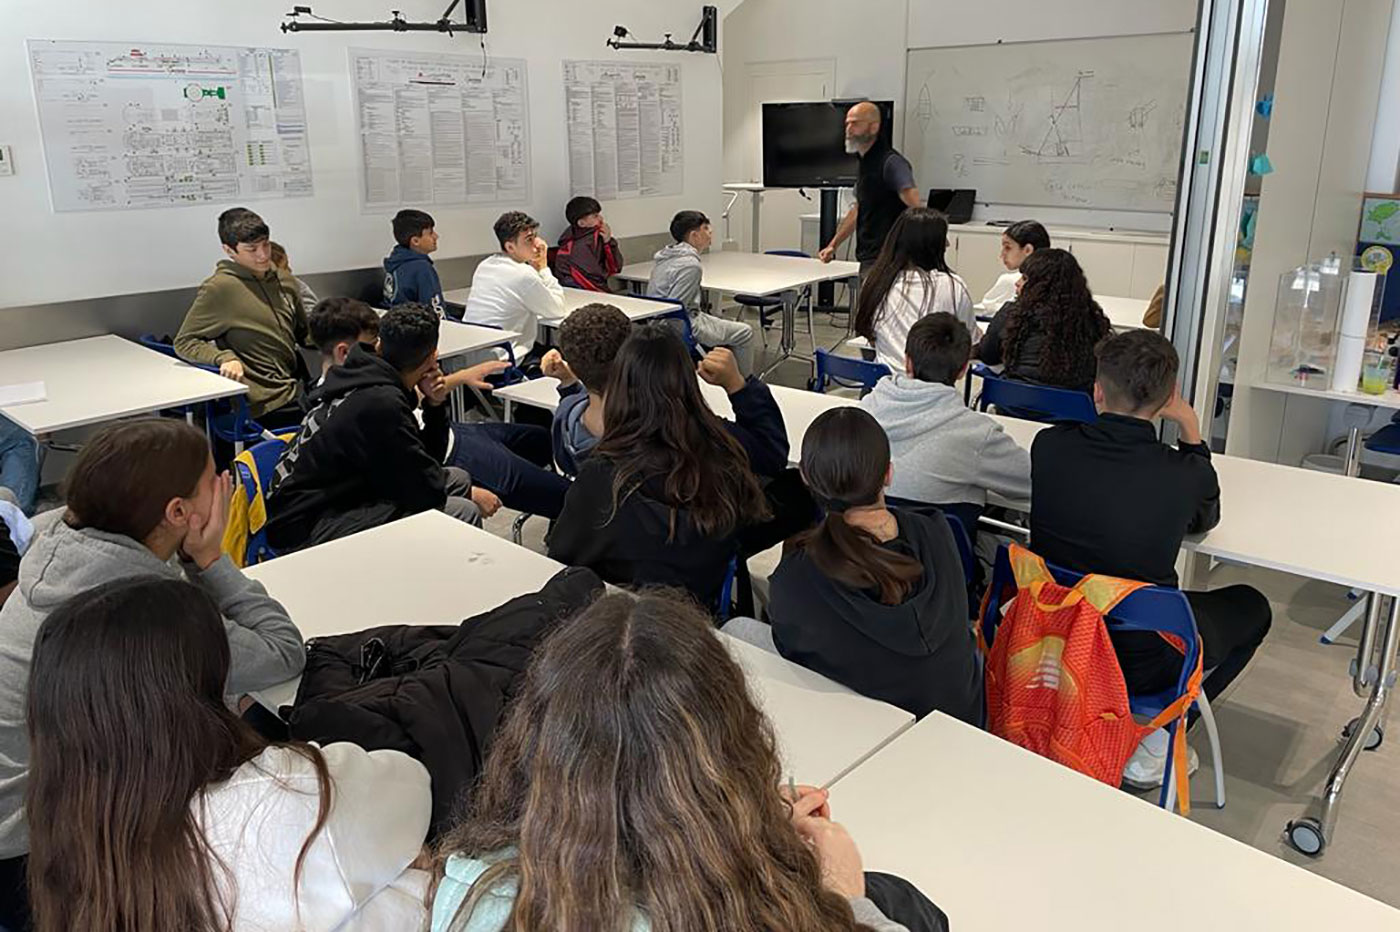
(977,258)
(1118,265)
(1149,270)
(1107,265)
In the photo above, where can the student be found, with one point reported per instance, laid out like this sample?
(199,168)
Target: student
(409,275)
(284,269)
(589,341)
(514,289)
(507,459)
(1048,334)
(248,320)
(676,274)
(361,458)
(662,498)
(1111,498)
(910,280)
(20,464)
(139,494)
(945,453)
(1017,242)
(588,252)
(634,785)
(874,597)
(163,811)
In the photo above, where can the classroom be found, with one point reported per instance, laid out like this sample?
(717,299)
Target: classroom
(762,464)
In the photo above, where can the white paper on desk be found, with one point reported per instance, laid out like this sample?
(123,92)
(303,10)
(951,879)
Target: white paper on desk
(23,393)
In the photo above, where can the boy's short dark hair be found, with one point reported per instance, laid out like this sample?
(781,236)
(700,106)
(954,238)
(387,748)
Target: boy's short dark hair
(241,225)
(335,320)
(589,339)
(1137,370)
(938,346)
(511,224)
(408,334)
(410,223)
(580,207)
(685,222)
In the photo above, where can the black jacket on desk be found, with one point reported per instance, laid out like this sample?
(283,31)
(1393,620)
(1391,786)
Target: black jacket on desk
(359,444)
(918,655)
(1111,498)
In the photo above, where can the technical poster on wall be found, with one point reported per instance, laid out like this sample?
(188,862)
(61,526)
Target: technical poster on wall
(624,124)
(137,125)
(440,129)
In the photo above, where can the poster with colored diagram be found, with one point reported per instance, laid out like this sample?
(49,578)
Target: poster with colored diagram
(1380,220)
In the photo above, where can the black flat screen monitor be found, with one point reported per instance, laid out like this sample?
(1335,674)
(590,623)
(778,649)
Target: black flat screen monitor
(804,144)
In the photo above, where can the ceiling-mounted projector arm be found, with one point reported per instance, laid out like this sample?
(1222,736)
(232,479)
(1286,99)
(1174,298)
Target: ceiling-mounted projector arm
(705,38)
(397,24)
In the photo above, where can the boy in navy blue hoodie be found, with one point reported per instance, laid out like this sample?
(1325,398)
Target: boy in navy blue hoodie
(409,276)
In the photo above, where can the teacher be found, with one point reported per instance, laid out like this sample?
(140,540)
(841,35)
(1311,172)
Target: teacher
(884,187)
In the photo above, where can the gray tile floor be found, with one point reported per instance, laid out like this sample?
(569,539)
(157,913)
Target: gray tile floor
(1280,723)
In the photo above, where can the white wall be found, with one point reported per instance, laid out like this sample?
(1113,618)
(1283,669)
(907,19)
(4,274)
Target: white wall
(51,257)
(956,22)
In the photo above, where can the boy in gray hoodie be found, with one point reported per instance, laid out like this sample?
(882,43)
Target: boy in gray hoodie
(943,452)
(140,495)
(676,274)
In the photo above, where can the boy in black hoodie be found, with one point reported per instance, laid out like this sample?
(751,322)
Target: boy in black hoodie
(588,252)
(361,458)
(409,275)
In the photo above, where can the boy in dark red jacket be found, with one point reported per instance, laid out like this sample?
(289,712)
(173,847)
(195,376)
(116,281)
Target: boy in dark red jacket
(587,254)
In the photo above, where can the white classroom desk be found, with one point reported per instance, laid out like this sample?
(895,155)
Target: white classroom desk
(431,569)
(754,273)
(799,407)
(574,298)
(103,378)
(1122,313)
(1003,839)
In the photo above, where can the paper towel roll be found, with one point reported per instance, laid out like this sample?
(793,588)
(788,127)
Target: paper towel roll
(1353,329)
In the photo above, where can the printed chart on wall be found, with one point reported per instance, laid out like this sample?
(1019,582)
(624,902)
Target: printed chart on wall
(1094,123)
(624,129)
(440,129)
(137,125)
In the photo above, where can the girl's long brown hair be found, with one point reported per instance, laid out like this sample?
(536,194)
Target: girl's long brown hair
(1056,298)
(657,425)
(634,773)
(127,728)
(917,242)
(845,458)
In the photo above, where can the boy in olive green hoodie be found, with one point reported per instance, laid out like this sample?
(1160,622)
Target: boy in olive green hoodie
(248,320)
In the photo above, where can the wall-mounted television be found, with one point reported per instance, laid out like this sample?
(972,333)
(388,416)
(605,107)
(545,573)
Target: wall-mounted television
(804,144)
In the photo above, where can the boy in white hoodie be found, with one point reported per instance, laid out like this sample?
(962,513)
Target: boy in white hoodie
(943,452)
(514,289)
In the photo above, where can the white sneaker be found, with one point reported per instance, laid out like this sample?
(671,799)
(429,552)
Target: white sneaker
(1146,769)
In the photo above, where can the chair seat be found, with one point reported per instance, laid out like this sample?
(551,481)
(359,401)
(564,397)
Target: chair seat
(1385,440)
(758,300)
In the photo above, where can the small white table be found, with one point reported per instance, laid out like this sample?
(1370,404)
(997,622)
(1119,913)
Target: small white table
(758,274)
(574,298)
(996,835)
(103,378)
(457,339)
(1122,313)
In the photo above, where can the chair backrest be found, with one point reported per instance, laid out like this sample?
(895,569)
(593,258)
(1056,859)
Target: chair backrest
(844,370)
(1034,402)
(681,314)
(726,591)
(153,342)
(264,456)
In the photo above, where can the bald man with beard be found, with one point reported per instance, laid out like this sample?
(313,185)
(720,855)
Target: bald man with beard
(884,187)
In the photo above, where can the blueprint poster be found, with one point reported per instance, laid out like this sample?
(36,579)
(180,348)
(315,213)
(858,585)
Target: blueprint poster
(129,125)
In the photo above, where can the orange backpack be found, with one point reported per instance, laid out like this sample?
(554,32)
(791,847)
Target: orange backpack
(1053,681)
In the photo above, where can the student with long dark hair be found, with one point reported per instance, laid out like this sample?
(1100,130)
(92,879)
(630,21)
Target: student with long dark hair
(1048,334)
(910,279)
(1018,241)
(140,494)
(635,786)
(663,496)
(874,597)
(164,812)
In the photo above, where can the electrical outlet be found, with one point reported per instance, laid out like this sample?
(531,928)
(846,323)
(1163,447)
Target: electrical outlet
(7,165)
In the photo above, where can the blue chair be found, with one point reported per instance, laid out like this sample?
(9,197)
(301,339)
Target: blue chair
(726,590)
(682,315)
(228,419)
(265,456)
(1154,609)
(766,304)
(1032,402)
(1387,439)
(846,372)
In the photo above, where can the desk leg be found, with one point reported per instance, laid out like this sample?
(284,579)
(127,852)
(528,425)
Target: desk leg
(1311,834)
(1352,456)
(510,411)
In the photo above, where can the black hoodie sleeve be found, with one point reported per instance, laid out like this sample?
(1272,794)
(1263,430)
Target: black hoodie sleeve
(1207,512)
(989,350)
(402,469)
(436,425)
(582,534)
(759,428)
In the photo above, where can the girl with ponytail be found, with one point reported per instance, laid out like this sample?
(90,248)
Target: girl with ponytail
(874,597)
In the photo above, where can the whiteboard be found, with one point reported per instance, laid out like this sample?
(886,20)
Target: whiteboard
(129,125)
(624,127)
(1090,123)
(436,129)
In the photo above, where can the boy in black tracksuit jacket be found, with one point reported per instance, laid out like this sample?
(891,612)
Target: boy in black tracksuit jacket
(1111,498)
(361,459)
(588,252)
